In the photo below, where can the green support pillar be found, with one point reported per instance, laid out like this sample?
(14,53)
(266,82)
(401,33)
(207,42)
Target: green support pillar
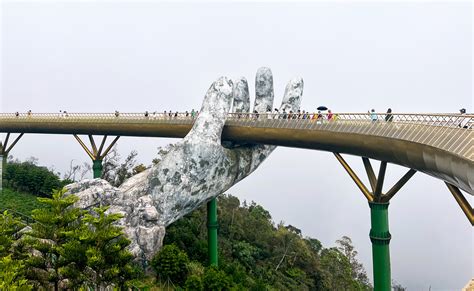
(380,238)
(212,231)
(378,203)
(97,168)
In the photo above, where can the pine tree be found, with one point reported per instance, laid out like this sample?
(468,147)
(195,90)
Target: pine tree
(11,270)
(48,237)
(9,227)
(108,260)
(12,275)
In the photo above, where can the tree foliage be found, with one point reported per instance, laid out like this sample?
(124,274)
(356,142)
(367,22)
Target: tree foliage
(105,249)
(49,236)
(170,264)
(12,270)
(358,272)
(70,247)
(9,227)
(215,279)
(29,177)
(116,172)
(257,254)
(12,275)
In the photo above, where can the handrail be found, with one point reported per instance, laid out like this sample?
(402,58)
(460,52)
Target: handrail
(439,119)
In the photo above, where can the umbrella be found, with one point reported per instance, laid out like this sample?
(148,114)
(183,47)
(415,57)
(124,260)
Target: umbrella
(322,108)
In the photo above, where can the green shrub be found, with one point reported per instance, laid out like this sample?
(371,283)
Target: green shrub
(193,283)
(28,177)
(216,280)
(170,264)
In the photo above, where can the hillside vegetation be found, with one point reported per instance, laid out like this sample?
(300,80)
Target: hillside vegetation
(255,253)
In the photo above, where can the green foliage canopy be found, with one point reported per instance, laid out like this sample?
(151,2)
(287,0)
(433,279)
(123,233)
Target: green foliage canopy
(29,177)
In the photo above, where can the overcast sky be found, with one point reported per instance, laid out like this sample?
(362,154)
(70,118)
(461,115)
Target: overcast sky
(132,57)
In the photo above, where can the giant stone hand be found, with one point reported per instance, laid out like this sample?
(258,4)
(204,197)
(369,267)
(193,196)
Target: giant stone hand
(193,170)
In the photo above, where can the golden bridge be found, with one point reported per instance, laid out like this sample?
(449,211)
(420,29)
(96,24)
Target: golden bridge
(440,145)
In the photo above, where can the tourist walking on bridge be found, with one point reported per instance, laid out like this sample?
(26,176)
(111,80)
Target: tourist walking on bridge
(269,113)
(373,115)
(329,115)
(389,116)
(276,114)
(464,120)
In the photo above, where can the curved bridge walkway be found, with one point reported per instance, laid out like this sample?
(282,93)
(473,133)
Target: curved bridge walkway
(440,145)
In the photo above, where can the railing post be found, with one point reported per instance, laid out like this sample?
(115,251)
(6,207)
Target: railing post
(212,226)
(97,168)
(380,238)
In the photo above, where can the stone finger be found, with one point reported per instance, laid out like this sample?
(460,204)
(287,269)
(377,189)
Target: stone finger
(211,119)
(241,96)
(264,93)
(293,94)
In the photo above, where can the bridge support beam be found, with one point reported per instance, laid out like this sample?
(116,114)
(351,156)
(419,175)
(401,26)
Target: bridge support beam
(96,155)
(212,226)
(4,150)
(462,201)
(379,231)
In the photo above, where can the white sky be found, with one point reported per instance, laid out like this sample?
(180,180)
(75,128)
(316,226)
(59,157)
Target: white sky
(127,56)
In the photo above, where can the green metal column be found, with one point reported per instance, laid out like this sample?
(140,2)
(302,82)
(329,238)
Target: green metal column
(97,168)
(212,232)
(380,238)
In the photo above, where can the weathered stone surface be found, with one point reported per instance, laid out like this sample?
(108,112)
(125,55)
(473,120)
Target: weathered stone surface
(241,96)
(263,90)
(190,172)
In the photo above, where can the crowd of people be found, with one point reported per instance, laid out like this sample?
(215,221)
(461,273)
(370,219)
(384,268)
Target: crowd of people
(166,114)
(318,116)
(299,114)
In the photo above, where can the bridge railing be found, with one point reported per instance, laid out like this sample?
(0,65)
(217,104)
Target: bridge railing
(444,120)
(451,132)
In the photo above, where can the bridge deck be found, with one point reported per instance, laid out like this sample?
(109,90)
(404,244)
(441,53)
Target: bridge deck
(441,145)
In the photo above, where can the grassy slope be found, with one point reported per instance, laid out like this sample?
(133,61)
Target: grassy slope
(20,202)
